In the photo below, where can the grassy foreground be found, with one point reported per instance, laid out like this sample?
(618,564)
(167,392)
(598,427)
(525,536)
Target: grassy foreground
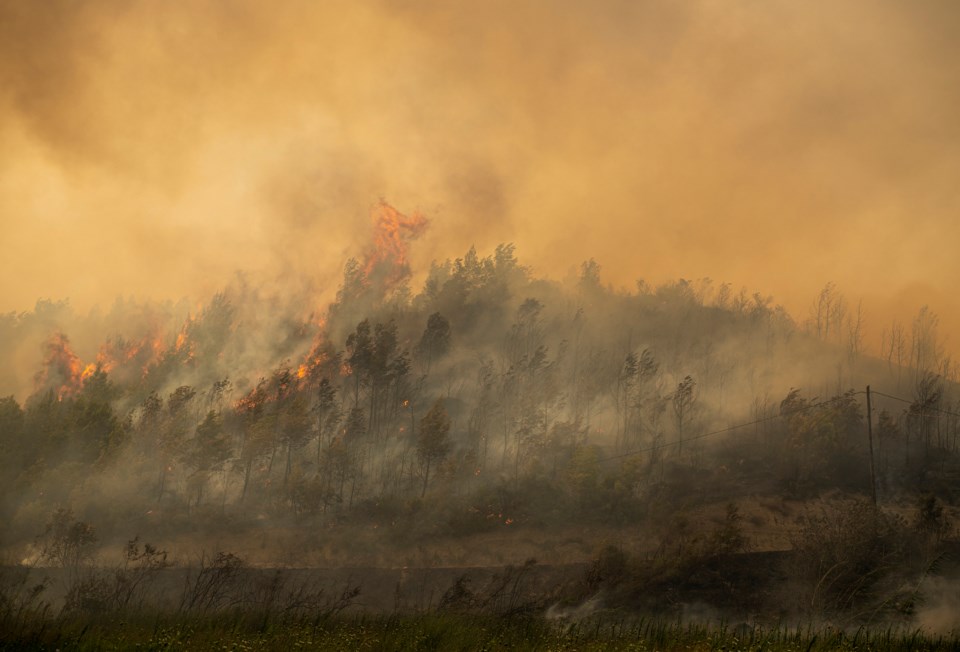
(443,632)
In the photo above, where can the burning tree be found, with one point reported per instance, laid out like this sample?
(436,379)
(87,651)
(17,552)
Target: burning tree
(387,258)
(62,370)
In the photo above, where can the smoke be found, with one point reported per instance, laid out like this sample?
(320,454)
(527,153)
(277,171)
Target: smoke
(153,149)
(940,605)
(575,613)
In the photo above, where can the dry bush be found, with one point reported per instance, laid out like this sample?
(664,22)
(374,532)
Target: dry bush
(849,557)
(66,542)
(276,593)
(212,586)
(21,602)
(507,594)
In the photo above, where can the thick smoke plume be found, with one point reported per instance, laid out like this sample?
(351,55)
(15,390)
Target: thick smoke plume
(152,150)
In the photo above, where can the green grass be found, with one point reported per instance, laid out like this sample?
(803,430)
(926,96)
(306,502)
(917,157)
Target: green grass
(245,631)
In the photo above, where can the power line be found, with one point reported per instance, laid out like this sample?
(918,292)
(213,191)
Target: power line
(737,426)
(911,402)
(713,433)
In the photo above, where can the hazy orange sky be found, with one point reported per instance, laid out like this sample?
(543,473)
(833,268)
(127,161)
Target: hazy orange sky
(152,148)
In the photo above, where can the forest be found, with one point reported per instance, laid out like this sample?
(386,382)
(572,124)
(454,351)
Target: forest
(674,445)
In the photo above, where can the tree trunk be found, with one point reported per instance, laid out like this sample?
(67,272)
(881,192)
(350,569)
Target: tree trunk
(246,479)
(163,482)
(426,478)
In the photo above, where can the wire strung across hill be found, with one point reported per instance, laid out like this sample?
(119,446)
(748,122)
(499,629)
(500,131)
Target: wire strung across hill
(909,401)
(772,417)
(737,426)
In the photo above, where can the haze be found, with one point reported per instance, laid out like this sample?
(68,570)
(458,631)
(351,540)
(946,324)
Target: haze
(152,149)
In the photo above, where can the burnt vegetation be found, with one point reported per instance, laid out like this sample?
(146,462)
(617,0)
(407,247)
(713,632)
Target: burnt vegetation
(686,442)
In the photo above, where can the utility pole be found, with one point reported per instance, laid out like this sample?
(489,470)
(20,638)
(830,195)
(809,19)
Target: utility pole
(873,474)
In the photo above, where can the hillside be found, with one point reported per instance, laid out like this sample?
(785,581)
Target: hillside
(488,418)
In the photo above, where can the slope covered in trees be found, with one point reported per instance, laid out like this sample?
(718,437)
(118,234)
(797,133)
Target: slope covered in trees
(489,415)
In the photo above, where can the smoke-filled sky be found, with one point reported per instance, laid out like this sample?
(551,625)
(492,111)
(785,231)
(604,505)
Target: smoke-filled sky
(152,148)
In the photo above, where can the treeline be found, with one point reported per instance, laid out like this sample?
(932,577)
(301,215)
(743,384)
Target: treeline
(495,396)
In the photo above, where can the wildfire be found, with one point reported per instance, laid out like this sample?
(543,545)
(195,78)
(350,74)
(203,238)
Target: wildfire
(317,355)
(65,373)
(156,346)
(126,360)
(62,368)
(392,232)
(183,345)
(88,371)
(131,357)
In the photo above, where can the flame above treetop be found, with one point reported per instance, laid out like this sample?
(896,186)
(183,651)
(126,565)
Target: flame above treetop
(62,368)
(392,232)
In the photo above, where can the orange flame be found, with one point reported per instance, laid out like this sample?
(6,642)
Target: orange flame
(88,371)
(317,355)
(64,372)
(183,344)
(392,232)
(62,368)
(130,356)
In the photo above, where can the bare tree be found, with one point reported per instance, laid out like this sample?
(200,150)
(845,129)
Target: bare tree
(894,348)
(828,313)
(683,401)
(855,332)
(925,348)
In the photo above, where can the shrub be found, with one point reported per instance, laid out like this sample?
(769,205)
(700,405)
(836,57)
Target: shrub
(843,555)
